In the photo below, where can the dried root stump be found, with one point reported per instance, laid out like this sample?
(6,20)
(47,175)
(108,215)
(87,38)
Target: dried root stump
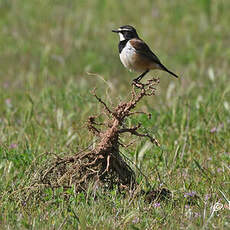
(102,165)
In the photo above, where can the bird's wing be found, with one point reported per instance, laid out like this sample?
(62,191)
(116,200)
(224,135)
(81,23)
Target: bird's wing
(143,49)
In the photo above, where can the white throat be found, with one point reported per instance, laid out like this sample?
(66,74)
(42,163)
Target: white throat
(122,38)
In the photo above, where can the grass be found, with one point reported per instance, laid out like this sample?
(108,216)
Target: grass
(47,50)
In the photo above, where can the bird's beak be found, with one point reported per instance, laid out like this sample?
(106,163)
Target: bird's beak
(115,31)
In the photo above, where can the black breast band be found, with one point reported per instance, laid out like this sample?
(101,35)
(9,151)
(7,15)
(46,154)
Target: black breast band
(122,44)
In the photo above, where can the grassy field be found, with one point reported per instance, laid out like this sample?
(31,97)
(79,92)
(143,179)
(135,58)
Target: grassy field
(53,53)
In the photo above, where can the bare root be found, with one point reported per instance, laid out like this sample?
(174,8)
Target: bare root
(102,164)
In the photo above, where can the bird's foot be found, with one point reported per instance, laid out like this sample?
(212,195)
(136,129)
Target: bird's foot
(137,83)
(137,80)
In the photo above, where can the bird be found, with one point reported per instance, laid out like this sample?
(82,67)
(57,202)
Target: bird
(135,54)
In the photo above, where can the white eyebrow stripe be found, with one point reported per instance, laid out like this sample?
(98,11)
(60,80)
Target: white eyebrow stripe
(124,29)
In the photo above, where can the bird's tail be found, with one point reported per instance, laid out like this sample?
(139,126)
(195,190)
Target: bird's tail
(165,69)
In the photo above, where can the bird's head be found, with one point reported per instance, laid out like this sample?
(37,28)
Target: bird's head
(126,32)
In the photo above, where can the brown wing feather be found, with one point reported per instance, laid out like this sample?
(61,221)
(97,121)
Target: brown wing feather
(143,49)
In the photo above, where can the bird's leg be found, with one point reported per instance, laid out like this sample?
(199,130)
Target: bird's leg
(141,76)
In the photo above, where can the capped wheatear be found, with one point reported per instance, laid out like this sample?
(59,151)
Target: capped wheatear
(135,53)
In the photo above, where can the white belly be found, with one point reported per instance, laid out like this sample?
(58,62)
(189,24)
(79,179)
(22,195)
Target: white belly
(127,57)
